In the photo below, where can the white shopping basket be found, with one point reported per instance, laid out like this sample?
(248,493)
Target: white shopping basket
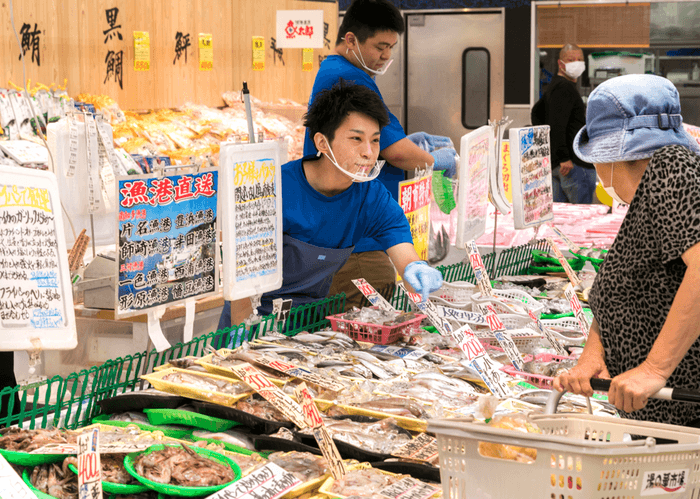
(579,456)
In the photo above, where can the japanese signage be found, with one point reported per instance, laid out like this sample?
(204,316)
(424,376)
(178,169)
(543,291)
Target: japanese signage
(182,42)
(258,53)
(142,51)
(479,268)
(36,306)
(666,482)
(547,333)
(372,296)
(89,470)
(505,170)
(422,448)
(414,198)
(31,41)
(428,308)
(577,308)
(166,239)
(300,372)
(473,199)
(307,59)
(569,243)
(507,344)
(268,482)
(252,217)
(282,402)
(206,52)
(532,176)
(564,263)
(114,70)
(408,488)
(459,315)
(298,29)
(13,486)
(323,438)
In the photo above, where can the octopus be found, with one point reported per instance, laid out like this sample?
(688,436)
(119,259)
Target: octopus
(262,409)
(364,483)
(54,480)
(303,465)
(17,439)
(182,466)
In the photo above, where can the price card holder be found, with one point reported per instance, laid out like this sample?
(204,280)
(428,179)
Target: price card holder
(422,448)
(564,263)
(13,487)
(547,333)
(268,482)
(258,53)
(372,296)
(281,308)
(428,308)
(89,469)
(577,309)
(499,331)
(480,273)
(282,402)
(408,488)
(300,372)
(206,52)
(569,243)
(142,51)
(325,442)
(462,316)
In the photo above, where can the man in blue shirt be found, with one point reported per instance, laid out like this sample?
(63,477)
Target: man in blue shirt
(330,203)
(370,29)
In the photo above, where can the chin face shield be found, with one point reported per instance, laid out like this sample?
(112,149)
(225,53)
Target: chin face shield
(359,169)
(361,60)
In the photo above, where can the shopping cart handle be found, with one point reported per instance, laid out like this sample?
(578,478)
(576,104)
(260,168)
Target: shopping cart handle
(603,385)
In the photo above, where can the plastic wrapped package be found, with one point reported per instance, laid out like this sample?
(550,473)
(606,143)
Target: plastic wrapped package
(517,422)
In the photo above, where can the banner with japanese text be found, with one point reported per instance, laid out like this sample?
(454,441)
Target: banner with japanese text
(166,239)
(414,198)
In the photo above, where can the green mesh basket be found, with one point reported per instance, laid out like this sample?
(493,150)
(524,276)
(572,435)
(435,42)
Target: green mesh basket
(116,488)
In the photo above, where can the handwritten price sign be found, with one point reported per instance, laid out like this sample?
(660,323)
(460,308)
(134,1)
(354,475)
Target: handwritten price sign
(504,339)
(372,296)
(479,268)
(428,308)
(564,263)
(89,470)
(577,308)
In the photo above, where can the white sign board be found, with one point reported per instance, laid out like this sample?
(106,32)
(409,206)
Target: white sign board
(299,29)
(36,298)
(476,159)
(251,217)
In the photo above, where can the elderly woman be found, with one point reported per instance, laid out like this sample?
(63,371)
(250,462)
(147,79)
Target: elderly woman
(646,297)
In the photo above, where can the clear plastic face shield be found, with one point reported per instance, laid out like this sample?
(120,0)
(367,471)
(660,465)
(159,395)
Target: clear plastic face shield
(361,61)
(359,169)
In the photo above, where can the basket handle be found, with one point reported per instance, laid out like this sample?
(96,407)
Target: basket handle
(603,385)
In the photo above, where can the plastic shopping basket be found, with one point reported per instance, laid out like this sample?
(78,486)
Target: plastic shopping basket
(372,333)
(579,456)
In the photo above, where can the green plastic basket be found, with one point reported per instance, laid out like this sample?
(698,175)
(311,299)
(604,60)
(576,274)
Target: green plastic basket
(116,488)
(443,192)
(168,432)
(229,447)
(39,494)
(177,490)
(189,418)
(27,459)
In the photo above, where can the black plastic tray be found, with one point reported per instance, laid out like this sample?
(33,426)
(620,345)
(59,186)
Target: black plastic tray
(418,471)
(257,425)
(138,401)
(267,443)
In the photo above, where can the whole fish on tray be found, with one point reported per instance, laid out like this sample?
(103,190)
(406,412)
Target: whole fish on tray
(196,380)
(395,406)
(381,437)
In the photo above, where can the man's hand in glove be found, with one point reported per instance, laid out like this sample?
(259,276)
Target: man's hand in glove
(423,278)
(445,159)
(429,142)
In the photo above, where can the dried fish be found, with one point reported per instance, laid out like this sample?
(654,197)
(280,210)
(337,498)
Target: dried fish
(199,381)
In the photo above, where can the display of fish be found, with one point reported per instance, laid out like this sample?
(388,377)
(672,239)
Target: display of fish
(364,482)
(55,480)
(199,381)
(303,465)
(260,408)
(180,465)
(17,439)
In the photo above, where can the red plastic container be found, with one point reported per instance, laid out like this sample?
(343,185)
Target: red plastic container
(372,333)
(539,380)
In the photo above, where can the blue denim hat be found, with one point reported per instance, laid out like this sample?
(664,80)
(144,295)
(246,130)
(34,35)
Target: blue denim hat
(629,118)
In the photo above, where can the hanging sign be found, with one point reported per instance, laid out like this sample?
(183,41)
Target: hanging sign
(251,197)
(36,300)
(479,268)
(577,308)
(206,52)
(89,469)
(476,159)
(414,199)
(372,296)
(530,161)
(505,170)
(142,51)
(507,344)
(268,482)
(258,53)
(166,240)
(307,59)
(298,29)
(547,333)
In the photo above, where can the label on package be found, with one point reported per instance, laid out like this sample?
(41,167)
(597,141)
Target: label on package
(300,372)
(564,263)
(268,482)
(372,296)
(422,448)
(323,438)
(665,482)
(13,487)
(282,402)
(72,146)
(89,469)
(544,331)
(504,339)
(479,268)
(569,243)
(258,53)
(428,308)
(408,488)
(577,308)
(460,315)
(92,163)
(206,52)
(403,353)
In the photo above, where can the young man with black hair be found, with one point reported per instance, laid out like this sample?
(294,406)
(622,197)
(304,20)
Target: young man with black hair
(369,31)
(329,203)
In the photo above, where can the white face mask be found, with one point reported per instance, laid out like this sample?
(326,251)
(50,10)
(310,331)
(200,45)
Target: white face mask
(364,170)
(611,190)
(575,69)
(361,60)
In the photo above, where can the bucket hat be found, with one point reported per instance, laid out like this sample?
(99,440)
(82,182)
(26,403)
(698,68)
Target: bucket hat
(629,118)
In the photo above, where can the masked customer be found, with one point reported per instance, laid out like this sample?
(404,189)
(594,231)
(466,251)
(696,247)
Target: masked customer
(645,297)
(330,201)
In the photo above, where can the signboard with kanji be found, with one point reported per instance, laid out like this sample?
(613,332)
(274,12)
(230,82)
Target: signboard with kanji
(472,204)
(414,198)
(299,29)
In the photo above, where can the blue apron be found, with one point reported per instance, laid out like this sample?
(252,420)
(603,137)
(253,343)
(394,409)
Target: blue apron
(307,274)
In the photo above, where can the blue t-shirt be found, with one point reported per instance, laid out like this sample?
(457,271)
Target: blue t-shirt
(365,209)
(332,69)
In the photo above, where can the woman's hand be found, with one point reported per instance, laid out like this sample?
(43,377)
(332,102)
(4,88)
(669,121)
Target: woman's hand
(631,390)
(578,379)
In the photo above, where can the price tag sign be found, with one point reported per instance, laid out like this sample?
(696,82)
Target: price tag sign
(477,263)
(462,316)
(206,52)
(567,268)
(13,487)
(422,448)
(142,51)
(577,308)
(89,469)
(499,331)
(428,308)
(258,53)
(325,442)
(268,482)
(408,488)
(569,243)
(403,353)
(282,402)
(372,296)
(544,331)
(307,59)
(301,373)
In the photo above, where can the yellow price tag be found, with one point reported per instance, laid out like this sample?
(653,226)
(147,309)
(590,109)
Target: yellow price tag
(307,60)
(142,51)
(206,52)
(258,53)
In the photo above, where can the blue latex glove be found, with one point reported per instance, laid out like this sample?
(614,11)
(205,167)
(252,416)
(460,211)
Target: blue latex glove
(445,159)
(429,142)
(423,278)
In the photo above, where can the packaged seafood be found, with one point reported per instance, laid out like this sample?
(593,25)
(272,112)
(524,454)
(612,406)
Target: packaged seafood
(303,465)
(261,408)
(378,437)
(198,386)
(518,422)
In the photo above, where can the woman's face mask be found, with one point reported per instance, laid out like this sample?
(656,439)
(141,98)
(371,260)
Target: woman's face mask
(611,190)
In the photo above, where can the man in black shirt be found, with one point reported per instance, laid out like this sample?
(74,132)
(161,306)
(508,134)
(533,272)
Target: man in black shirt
(573,179)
